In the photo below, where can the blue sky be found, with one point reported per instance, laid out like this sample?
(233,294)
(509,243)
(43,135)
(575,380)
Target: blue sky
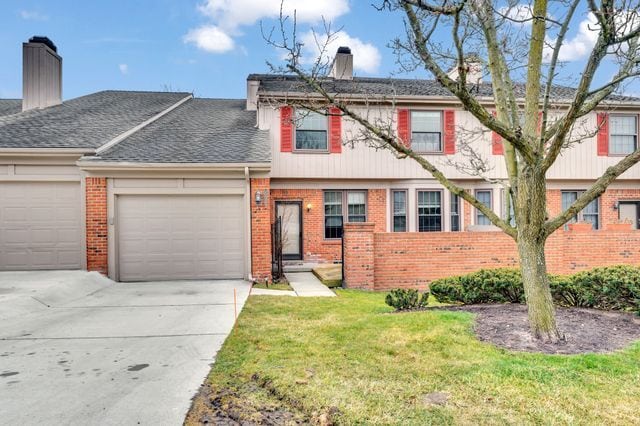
(204,46)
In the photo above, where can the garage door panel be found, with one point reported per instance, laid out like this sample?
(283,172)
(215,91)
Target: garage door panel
(180,237)
(40,225)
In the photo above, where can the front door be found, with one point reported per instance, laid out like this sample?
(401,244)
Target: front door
(291,214)
(629,211)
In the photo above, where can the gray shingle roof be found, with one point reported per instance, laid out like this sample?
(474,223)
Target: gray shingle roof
(10,106)
(390,87)
(85,122)
(199,131)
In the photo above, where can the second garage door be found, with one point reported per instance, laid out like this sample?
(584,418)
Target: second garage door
(164,237)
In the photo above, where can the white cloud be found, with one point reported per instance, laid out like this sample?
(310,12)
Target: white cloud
(210,38)
(229,16)
(33,15)
(366,57)
(578,46)
(124,69)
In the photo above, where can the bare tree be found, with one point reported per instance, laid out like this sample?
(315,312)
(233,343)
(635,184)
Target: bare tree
(518,43)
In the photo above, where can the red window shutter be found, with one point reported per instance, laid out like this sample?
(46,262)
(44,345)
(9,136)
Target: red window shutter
(496,142)
(539,122)
(286,129)
(449,131)
(335,130)
(603,134)
(404,126)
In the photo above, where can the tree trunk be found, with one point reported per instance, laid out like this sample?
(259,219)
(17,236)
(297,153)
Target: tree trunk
(542,316)
(531,203)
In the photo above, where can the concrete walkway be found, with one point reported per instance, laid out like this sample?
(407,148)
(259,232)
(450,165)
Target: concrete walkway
(305,284)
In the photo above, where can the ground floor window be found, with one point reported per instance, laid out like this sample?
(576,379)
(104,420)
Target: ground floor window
(399,211)
(335,214)
(485,197)
(455,213)
(429,211)
(590,214)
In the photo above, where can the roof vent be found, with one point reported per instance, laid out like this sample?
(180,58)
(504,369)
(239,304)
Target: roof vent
(44,40)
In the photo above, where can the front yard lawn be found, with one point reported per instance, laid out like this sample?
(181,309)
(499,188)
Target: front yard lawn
(350,360)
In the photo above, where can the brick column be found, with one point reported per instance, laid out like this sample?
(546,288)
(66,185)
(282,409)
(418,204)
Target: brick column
(260,231)
(96,211)
(359,264)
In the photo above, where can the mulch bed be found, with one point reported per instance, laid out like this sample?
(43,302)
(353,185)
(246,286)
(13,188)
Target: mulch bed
(585,330)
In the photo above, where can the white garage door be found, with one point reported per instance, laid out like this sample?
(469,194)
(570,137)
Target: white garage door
(163,237)
(40,225)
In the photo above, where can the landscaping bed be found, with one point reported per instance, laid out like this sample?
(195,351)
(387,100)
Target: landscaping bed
(349,360)
(585,330)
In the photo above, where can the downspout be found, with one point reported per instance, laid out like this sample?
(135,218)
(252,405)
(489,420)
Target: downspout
(247,204)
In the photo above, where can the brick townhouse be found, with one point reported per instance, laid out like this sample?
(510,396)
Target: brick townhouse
(148,186)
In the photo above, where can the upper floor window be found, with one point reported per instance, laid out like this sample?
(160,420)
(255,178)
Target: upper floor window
(429,211)
(311,131)
(399,211)
(426,131)
(485,196)
(623,134)
(335,214)
(591,213)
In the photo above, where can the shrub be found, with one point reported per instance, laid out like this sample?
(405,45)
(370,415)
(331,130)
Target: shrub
(610,288)
(405,299)
(484,286)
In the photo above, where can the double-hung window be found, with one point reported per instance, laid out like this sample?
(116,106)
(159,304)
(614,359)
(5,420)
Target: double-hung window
(311,131)
(429,211)
(485,197)
(590,214)
(455,213)
(623,134)
(335,214)
(399,210)
(426,131)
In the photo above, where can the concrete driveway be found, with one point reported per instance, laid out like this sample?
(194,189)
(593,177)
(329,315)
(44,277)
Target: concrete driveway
(77,348)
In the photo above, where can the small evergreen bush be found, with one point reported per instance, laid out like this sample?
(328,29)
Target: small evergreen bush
(406,299)
(484,286)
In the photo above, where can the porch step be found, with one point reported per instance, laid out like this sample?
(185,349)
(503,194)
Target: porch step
(296,266)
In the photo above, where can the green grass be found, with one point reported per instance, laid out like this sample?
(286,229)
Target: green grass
(375,367)
(273,286)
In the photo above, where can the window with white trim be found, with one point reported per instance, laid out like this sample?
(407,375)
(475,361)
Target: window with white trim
(311,131)
(429,211)
(590,214)
(455,213)
(426,131)
(623,134)
(485,196)
(335,213)
(399,200)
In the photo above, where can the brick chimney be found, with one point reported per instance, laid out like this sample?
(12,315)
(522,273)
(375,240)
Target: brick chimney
(41,74)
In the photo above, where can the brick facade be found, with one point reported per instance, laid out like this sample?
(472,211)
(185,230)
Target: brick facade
(260,231)
(96,215)
(412,259)
(315,247)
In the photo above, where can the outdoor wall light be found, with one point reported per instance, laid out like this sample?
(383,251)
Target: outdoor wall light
(309,207)
(261,197)
(616,205)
